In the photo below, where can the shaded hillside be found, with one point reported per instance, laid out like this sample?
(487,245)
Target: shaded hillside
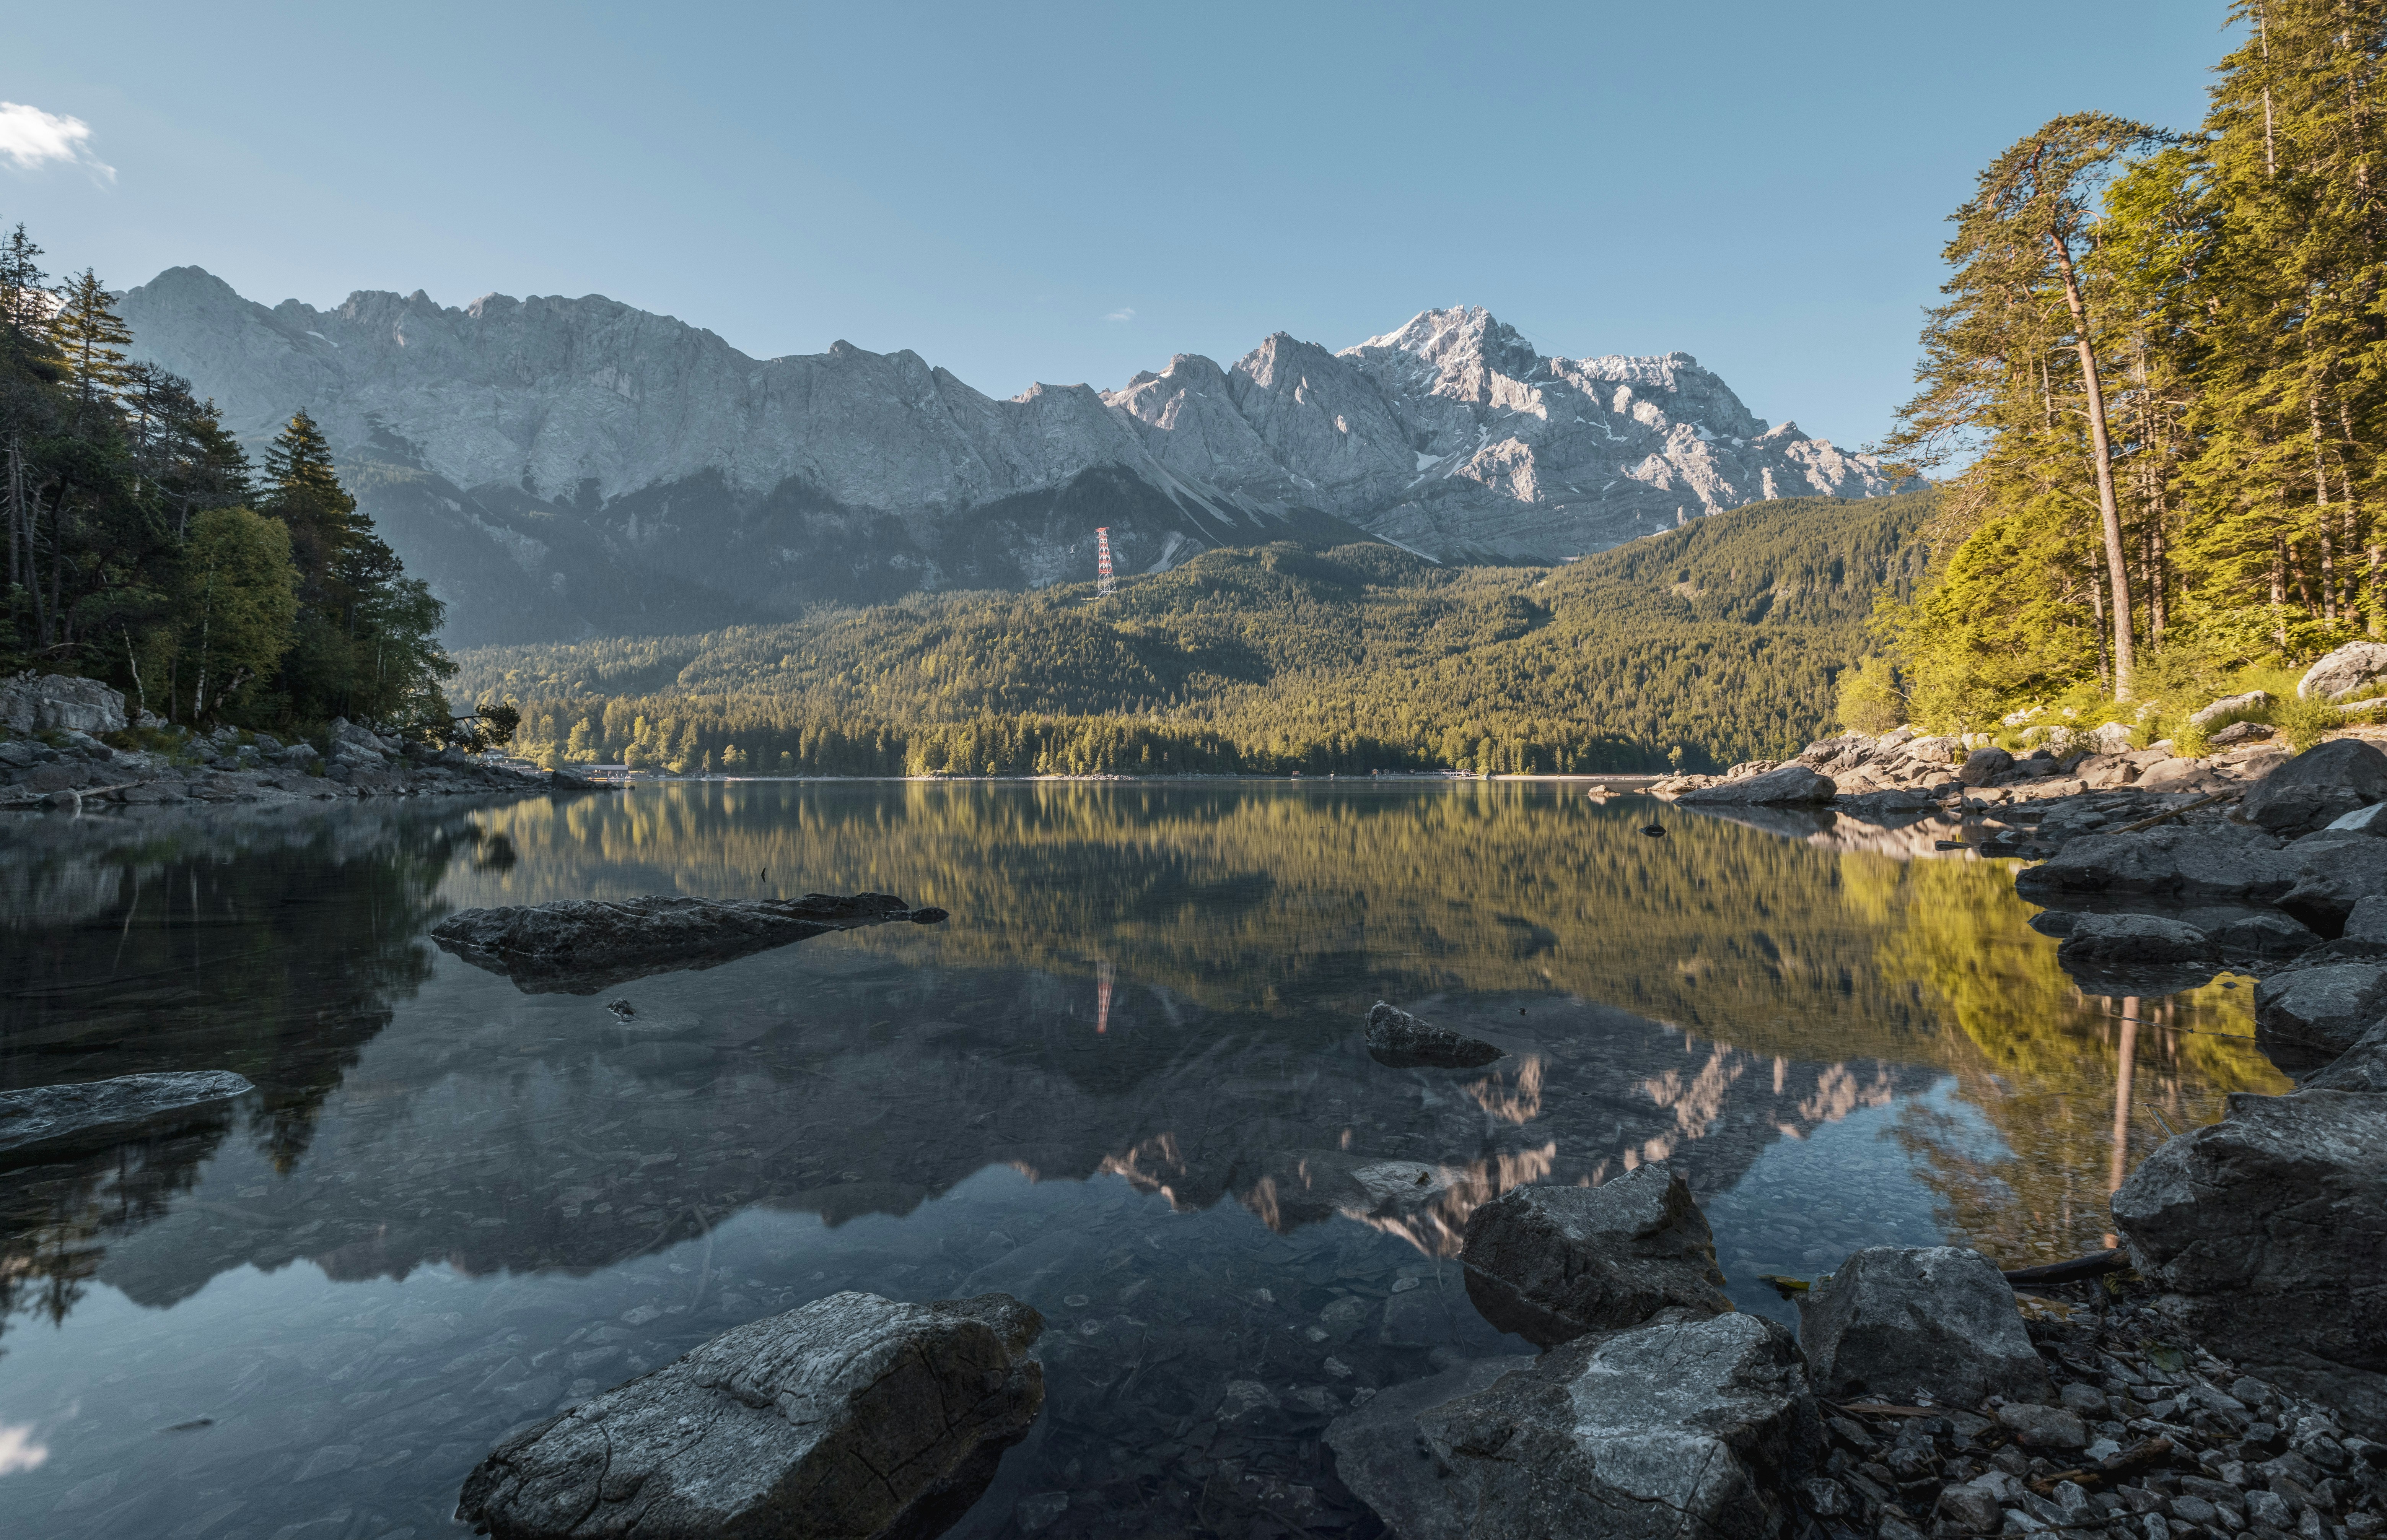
(1720,639)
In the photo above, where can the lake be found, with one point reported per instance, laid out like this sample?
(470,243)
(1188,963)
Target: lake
(1124,1081)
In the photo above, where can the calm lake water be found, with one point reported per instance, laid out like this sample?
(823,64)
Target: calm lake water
(1123,1082)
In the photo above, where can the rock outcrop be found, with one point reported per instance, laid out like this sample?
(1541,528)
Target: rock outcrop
(1792,785)
(58,1119)
(618,460)
(2267,1233)
(851,1415)
(2311,1014)
(2322,784)
(1552,1264)
(1930,1323)
(2339,674)
(1682,1427)
(56,703)
(579,946)
(1401,1041)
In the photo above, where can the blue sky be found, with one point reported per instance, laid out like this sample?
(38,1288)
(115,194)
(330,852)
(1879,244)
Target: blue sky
(1073,192)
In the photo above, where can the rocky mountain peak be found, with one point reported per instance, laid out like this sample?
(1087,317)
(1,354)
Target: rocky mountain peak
(671,462)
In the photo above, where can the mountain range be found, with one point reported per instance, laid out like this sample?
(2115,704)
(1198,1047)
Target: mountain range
(562,468)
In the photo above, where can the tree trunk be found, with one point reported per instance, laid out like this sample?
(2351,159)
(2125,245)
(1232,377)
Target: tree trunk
(2116,564)
(2320,521)
(2279,588)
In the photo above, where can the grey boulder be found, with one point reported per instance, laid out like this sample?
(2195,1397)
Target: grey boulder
(57,1118)
(2252,701)
(2362,1067)
(1984,766)
(1790,784)
(2339,674)
(2333,878)
(2125,939)
(1553,1263)
(2322,784)
(579,946)
(2212,860)
(2366,921)
(2267,1233)
(1400,1039)
(57,702)
(851,1415)
(1927,1322)
(2311,1014)
(2265,932)
(1697,1427)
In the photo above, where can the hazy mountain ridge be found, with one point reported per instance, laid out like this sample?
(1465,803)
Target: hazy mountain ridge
(561,467)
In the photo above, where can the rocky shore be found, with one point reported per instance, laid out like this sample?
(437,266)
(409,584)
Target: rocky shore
(54,754)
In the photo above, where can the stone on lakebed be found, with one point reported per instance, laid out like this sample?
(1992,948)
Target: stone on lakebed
(1902,1323)
(1401,1041)
(1553,1263)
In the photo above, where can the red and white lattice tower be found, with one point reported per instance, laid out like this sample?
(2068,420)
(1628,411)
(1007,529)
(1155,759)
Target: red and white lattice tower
(1103,580)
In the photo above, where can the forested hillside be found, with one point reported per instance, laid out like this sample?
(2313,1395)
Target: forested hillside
(1709,644)
(2162,365)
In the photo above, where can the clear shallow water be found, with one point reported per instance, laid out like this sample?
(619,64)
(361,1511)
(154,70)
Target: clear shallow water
(1123,1082)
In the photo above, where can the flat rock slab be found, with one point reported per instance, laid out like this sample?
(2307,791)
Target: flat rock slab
(1792,784)
(579,946)
(61,1119)
(1678,1428)
(1402,1041)
(1901,1323)
(852,1416)
(2268,1231)
(1552,1264)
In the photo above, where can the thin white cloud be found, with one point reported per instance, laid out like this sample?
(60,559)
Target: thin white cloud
(18,1450)
(1123,313)
(30,139)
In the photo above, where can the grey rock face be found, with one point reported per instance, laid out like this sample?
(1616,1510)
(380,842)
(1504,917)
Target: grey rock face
(1553,1263)
(2311,1015)
(2339,674)
(1984,766)
(2333,878)
(1790,785)
(625,454)
(2269,1233)
(2323,783)
(2265,933)
(57,1118)
(54,702)
(851,1416)
(2371,820)
(1697,1427)
(2362,1067)
(1897,1322)
(1400,1039)
(2122,939)
(2366,921)
(2219,859)
(579,946)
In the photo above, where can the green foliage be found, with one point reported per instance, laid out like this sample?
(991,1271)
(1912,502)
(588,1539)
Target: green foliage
(1720,640)
(2218,324)
(132,557)
(1869,698)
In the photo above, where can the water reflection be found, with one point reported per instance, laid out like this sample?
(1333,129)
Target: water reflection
(1126,1074)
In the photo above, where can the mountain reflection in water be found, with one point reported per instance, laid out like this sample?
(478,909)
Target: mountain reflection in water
(1123,1081)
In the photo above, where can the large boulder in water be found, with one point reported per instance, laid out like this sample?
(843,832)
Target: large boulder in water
(1553,1263)
(60,1118)
(2267,1233)
(1914,1323)
(579,946)
(1681,1427)
(2338,675)
(1792,784)
(1401,1041)
(851,1415)
(2322,784)
(2112,939)
(2203,860)
(2307,1016)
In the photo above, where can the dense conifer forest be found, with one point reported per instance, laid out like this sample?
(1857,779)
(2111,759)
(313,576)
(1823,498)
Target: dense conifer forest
(1714,643)
(2160,379)
(143,548)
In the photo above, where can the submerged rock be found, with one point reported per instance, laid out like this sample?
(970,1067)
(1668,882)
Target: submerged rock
(61,1118)
(2267,1231)
(851,1415)
(1698,1427)
(579,946)
(1553,1263)
(1908,1323)
(1401,1041)
(1790,784)
(2318,787)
